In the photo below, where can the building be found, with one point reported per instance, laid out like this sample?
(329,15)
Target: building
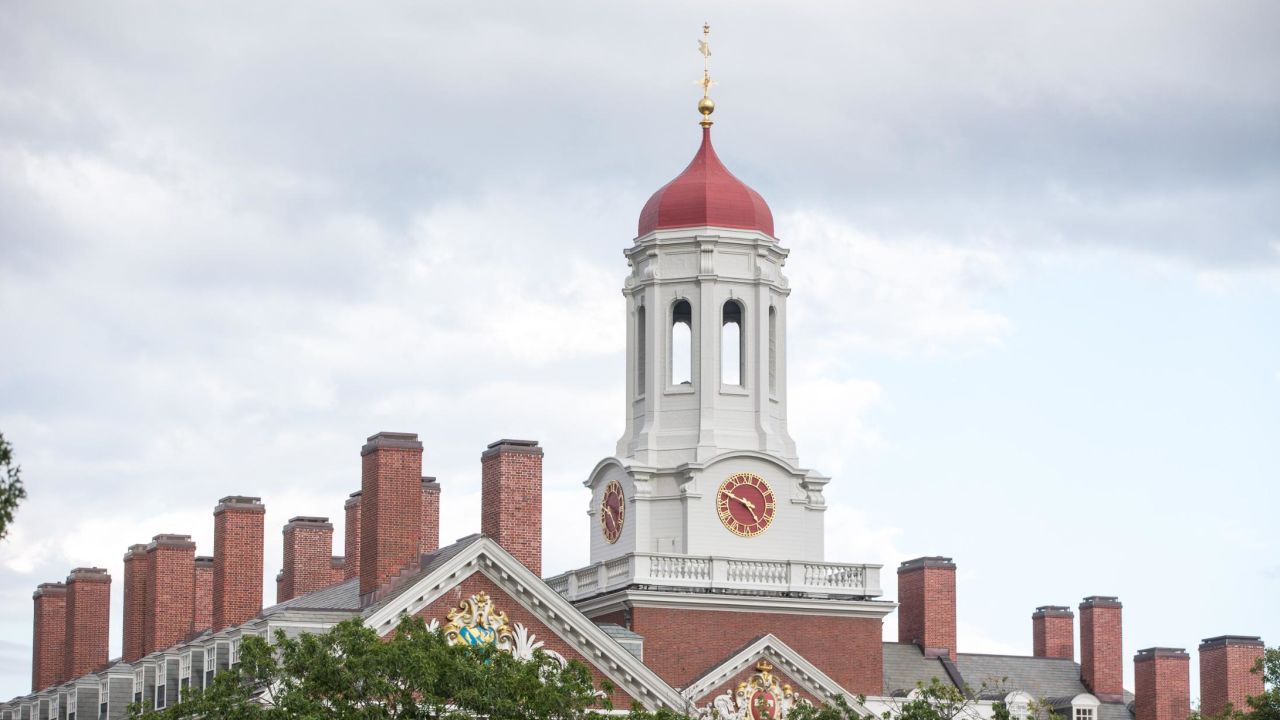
(708,583)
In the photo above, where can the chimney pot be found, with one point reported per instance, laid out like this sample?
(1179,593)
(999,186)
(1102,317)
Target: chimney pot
(88,618)
(390,507)
(49,635)
(1101,647)
(1162,684)
(1226,672)
(927,604)
(511,499)
(1052,632)
(308,544)
(238,539)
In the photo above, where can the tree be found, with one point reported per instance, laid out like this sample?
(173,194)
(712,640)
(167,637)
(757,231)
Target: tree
(11,490)
(1267,705)
(349,672)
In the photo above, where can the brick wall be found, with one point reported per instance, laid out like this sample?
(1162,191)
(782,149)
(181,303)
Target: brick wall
(1102,648)
(1226,672)
(135,603)
(171,569)
(430,540)
(88,621)
(202,596)
(337,569)
(352,540)
(516,613)
(511,499)
(308,553)
(49,635)
(1162,684)
(390,507)
(1053,632)
(927,604)
(680,644)
(238,536)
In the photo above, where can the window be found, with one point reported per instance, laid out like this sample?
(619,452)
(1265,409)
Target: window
(184,673)
(1018,704)
(235,652)
(731,354)
(1084,707)
(773,350)
(682,343)
(53,708)
(104,700)
(162,683)
(1084,713)
(210,663)
(139,680)
(641,350)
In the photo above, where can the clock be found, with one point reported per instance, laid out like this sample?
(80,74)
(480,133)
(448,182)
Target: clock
(745,504)
(612,511)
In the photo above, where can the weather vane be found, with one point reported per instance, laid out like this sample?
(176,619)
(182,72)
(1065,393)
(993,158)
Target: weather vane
(706,106)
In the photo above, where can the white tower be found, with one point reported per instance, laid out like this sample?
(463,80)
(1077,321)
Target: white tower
(706,466)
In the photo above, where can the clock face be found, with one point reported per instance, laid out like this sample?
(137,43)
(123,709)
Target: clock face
(745,504)
(612,511)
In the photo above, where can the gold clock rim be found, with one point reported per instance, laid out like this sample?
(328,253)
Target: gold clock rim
(768,521)
(622,511)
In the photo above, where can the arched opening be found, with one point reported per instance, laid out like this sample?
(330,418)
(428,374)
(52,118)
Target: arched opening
(682,343)
(641,350)
(731,344)
(773,350)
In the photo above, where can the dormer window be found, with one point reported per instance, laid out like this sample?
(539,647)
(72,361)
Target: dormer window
(104,700)
(139,682)
(1084,707)
(235,652)
(210,663)
(682,343)
(731,354)
(1018,704)
(162,684)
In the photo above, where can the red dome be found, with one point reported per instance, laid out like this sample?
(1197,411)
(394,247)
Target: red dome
(706,193)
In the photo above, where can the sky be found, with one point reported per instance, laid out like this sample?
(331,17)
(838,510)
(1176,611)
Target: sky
(1035,260)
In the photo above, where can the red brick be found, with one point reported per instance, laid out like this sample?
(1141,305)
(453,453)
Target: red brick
(135,603)
(430,540)
(1102,648)
(337,569)
(745,675)
(88,621)
(1226,672)
(390,507)
(49,636)
(927,604)
(171,569)
(308,553)
(202,596)
(1162,684)
(1053,632)
(238,536)
(511,499)
(351,568)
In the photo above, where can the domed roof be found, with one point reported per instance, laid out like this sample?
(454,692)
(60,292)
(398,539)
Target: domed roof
(706,193)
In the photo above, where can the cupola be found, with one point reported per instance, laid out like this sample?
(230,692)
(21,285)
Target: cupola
(706,193)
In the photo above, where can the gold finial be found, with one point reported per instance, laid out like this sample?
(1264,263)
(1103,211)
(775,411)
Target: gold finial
(706,106)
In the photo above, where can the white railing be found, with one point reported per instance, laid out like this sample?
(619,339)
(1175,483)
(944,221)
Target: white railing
(719,573)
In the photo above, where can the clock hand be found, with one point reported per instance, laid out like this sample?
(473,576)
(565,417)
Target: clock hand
(751,507)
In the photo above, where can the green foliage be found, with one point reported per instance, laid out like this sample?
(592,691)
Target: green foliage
(1267,705)
(349,672)
(11,490)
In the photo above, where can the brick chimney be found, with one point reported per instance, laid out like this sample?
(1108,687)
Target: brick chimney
(1053,632)
(511,499)
(238,537)
(927,605)
(308,548)
(135,603)
(88,621)
(171,570)
(1226,672)
(337,569)
(49,636)
(1101,649)
(430,540)
(1161,684)
(202,595)
(390,507)
(351,568)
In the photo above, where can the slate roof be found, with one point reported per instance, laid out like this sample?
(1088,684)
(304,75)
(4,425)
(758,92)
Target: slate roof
(342,596)
(427,565)
(1053,679)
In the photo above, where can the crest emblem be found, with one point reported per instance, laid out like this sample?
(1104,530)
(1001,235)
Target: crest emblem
(761,697)
(475,621)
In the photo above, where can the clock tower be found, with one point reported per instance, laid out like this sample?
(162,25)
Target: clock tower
(706,465)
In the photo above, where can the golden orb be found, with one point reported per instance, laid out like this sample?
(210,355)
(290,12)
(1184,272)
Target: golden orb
(706,106)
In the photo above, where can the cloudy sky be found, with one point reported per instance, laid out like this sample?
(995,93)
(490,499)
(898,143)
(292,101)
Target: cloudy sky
(1035,259)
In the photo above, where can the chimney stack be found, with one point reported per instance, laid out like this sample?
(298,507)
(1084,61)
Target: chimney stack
(927,605)
(1226,672)
(1101,649)
(511,499)
(135,603)
(202,596)
(49,637)
(308,548)
(171,570)
(1053,632)
(337,569)
(238,536)
(430,540)
(351,566)
(88,621)
(1162,684)
(390,507)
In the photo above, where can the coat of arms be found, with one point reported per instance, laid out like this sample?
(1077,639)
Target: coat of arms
(760,697)
(475,621)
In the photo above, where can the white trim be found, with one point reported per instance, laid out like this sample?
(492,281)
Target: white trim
(784,658)
(873,609)
(585,637)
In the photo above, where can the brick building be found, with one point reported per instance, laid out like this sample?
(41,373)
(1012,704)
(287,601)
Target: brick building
(707,567)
